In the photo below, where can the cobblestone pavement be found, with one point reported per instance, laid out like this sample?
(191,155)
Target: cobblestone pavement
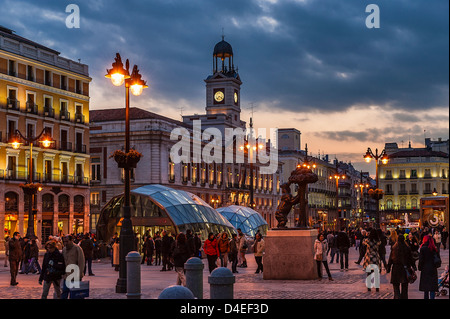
(346,285)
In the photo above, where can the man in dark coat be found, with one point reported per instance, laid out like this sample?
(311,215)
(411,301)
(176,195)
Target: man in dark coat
(190,243)
(15,256)
(343,244)
(166,247)
(53,268)
(87,246)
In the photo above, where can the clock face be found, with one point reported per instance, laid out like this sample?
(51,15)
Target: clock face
(219,96)
(235,97)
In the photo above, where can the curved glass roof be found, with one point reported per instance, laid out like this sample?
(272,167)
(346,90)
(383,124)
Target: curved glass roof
(245,218)
(184,209)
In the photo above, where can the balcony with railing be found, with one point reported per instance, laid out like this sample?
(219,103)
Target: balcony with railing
(32,108)
(23,176)
(79,118)
(80,148)
(49,112)
(12,104)
(64,115)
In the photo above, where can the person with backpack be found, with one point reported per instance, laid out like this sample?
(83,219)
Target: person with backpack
(53,268)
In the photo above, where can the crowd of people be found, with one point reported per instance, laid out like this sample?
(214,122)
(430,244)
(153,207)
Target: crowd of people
(411,250)
(163,249)
(77,250)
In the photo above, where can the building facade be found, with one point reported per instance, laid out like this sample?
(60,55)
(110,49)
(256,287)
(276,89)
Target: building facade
(39,89)
(218,183)
(411,174)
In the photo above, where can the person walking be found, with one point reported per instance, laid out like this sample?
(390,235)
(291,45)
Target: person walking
(53,268)
(211,250)
(224,249)
(399,259)
(320,255)
(190,243)
(180,254)
(362,248)
(149,248)
(157,241)
(343,243)
(372,256)
(437,240)
(428,269)
(116,254)
(197,246)
(234,250)
(15,256)
(259,247)
(34,258)
(243,247)
(334,249)
(73,256)
(382,249)
(166,246)
(87,246)
(444,237)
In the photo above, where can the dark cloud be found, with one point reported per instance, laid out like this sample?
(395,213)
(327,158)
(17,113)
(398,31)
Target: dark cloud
(293,55)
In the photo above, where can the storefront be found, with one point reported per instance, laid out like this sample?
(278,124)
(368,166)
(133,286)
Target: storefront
(434,211)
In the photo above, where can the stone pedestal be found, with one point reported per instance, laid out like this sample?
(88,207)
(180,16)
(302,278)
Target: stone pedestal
(289,254)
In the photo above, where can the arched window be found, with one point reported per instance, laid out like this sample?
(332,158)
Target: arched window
(63,203)
(47,203)
(11,202)
(403,203)
(414,203)
(78,204)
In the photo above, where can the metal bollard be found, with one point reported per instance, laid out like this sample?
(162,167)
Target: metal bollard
(194,276)
(133,260)
(221,283)
(176,292)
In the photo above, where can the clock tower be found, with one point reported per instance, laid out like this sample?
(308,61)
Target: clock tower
(223,93)
(223,87)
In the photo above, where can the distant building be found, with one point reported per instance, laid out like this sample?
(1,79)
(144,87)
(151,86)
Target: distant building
(412,173)
(41,89)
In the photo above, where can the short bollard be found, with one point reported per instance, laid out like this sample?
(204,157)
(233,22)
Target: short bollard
(133,260)
(221,283)
(194,276)
(176,292)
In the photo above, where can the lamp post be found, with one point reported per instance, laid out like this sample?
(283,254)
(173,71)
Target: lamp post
(361,186)
(384,159)
(120,75)
(250,150)
(45,139)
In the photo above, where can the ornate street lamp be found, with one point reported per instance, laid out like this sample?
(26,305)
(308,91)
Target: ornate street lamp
(377,194)
(120,75)
(250,150)
(338,177)
(31,188)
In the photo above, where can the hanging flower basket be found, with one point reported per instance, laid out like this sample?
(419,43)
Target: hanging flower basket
(126,160)
(30,188)
(376,194)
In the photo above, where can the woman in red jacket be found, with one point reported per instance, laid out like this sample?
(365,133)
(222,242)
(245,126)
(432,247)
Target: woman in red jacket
(211,250)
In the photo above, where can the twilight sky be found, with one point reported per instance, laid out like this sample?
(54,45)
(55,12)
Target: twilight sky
(308,64)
